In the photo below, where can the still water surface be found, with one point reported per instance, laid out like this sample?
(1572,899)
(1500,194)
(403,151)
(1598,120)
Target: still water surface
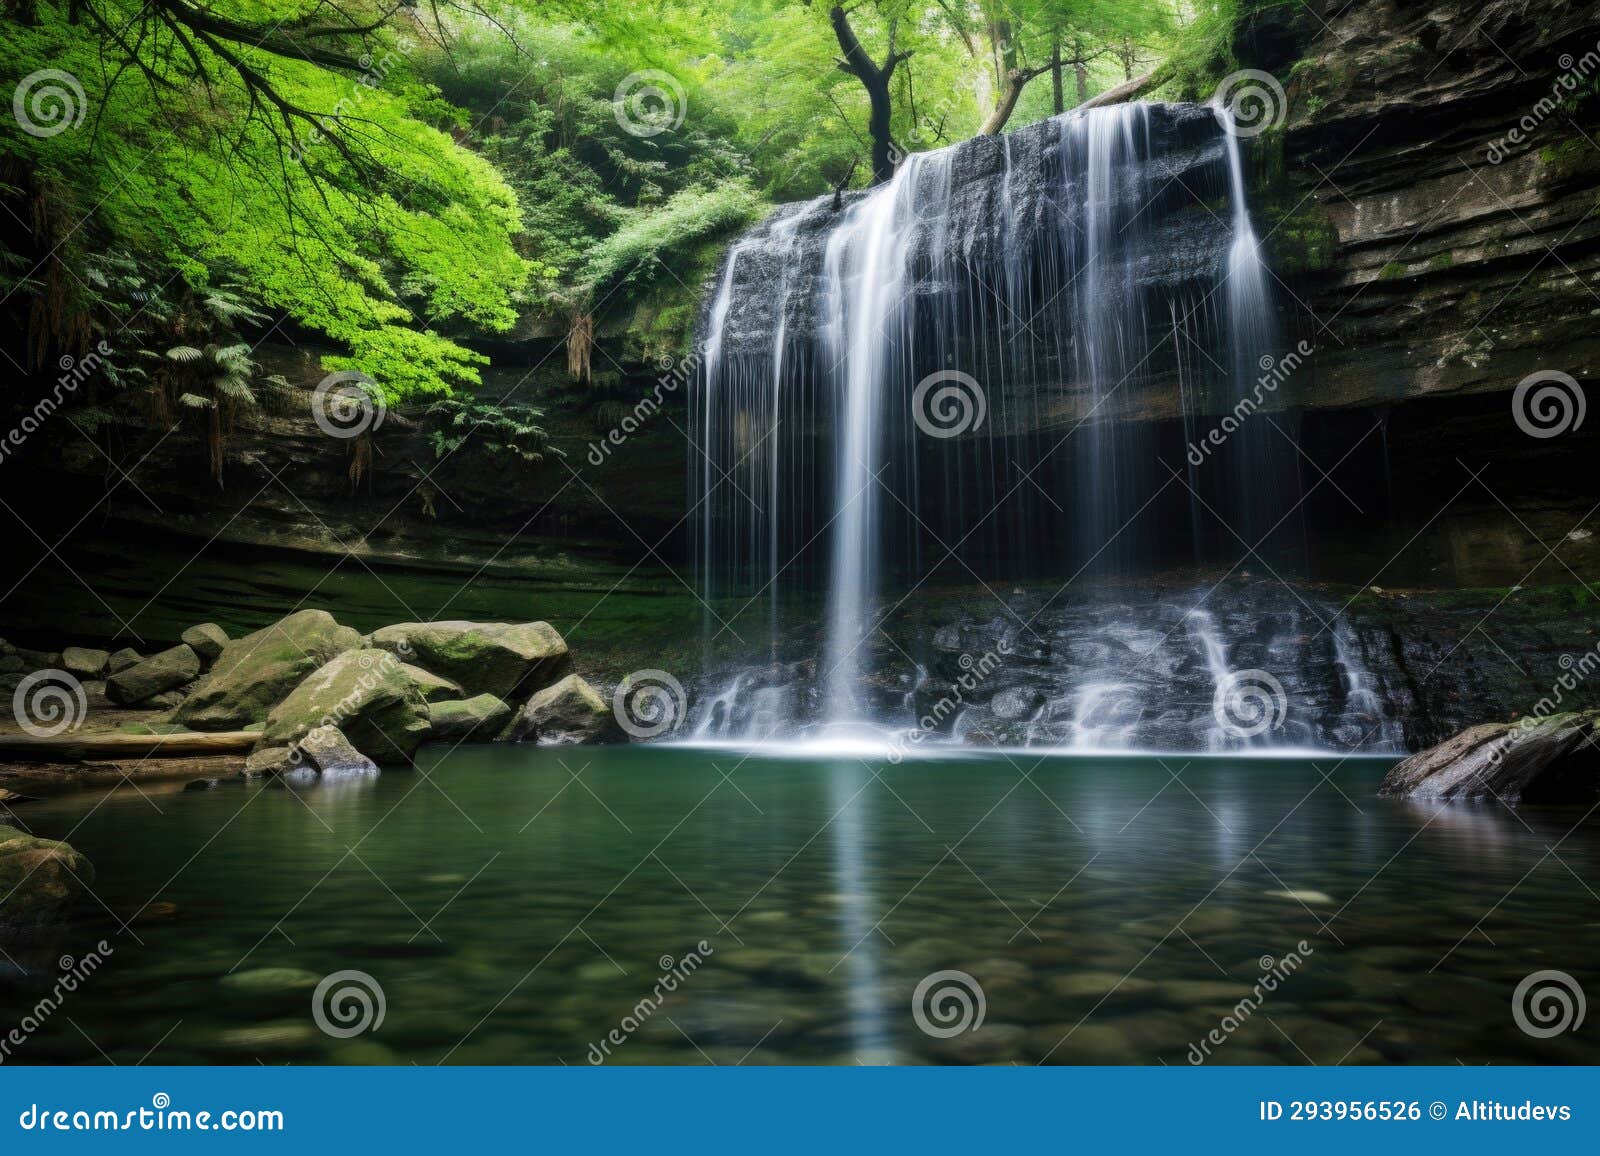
(516,905)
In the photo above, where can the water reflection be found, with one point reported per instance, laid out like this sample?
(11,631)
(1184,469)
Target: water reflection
(517,905)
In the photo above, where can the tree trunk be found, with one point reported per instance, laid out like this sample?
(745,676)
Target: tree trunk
(1005,104)
(1130,90)
(1058,97)
(883,150)
(875,79)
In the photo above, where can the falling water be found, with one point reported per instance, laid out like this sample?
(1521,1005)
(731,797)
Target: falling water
(1068,287)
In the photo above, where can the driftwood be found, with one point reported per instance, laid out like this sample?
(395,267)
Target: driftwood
(82,748)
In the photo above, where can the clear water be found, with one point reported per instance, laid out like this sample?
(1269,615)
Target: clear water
(515,904)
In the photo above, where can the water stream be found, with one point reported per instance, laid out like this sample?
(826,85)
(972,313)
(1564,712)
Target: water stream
(958,373)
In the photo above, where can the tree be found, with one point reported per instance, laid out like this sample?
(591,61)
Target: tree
(875,78)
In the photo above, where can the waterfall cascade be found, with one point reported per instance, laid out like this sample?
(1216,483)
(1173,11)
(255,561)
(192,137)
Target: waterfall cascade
(960,377)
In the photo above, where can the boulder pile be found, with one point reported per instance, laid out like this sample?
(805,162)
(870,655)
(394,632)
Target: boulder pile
(325,697)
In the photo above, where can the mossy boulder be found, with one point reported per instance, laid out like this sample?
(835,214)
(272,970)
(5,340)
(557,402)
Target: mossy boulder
(39,878)
(255,673)
(498,658)
(207,640)
(571,711)
(84,661)
(434,687)
(166,671)
(368,695)
(458,719)
(122,659)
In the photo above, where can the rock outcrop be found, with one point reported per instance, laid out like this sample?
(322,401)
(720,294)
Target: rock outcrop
(1555,759)
(498,658)
(368,695)
(168,670)
(254,673)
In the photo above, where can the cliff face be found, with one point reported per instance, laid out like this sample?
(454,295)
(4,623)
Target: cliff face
(1451,146)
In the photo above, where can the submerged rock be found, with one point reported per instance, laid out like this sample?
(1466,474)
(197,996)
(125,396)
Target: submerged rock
(497,658)
(39,878)
(161,672)
(571,711)
(254,673)
(482,716)
(1549,760)
(377,705)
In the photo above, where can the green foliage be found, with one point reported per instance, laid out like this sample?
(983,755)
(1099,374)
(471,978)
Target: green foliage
(356,219)
(496,430)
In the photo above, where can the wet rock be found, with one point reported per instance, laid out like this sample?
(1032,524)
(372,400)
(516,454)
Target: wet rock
(1549,760)
(498,658)
(375,703)
(455,720)
(571,711)
(267,761)
(206,640)
(84,662)
(327,749)
(1018,702)
(254,673)
(40,879)
(161,672)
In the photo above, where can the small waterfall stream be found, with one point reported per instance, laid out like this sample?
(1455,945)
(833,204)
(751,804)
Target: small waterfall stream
(958,378)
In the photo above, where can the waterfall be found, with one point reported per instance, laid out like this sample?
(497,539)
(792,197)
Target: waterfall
(961,378)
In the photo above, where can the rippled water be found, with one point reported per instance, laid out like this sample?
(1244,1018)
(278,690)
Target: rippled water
(515,905)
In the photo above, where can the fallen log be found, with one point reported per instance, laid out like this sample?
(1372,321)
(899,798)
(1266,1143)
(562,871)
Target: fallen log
(83,748)
(1129,90)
